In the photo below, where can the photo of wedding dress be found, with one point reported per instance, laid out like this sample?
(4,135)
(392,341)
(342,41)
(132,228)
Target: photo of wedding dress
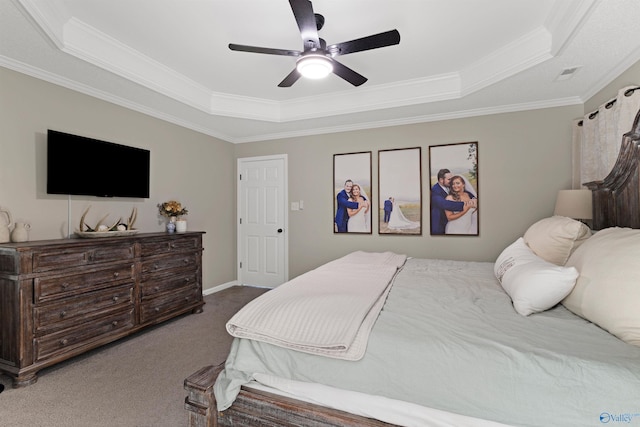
(467,223)
(360,222)
(398,221)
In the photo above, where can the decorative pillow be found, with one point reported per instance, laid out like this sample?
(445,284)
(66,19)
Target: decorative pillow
(555,238)
(607,292)
(533,284)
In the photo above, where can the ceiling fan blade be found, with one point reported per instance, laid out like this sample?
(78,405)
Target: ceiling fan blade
(266,50)
(388,38)
(290,79)
(348,74)
(303,12)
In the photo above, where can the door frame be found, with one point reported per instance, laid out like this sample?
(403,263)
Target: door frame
(285,211)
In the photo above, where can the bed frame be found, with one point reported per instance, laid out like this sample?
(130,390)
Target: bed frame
(260,408)
(616,202)
(616,199)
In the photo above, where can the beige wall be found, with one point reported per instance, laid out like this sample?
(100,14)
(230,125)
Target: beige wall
(191,167)
(524,158)
(631,77)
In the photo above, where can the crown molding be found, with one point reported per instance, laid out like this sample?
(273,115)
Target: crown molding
(87,90)
(48,16)
(83,41)
(57,80)
(398,94)
(527,51)
(565,19)
(613,74)
(562,102)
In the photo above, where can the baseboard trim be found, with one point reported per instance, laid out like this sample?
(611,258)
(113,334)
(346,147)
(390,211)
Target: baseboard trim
(227,285)
(219,288)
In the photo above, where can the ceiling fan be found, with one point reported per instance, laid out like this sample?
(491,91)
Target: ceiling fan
(316,60)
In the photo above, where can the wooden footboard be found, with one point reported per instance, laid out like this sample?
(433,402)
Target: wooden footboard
(200,402)
(259,408)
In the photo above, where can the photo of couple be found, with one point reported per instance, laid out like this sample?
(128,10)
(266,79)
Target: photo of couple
(352,186)
(454,196)
(353,214)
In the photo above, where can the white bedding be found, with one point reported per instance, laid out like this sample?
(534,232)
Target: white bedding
(449,339)
(328,311)
(380,408)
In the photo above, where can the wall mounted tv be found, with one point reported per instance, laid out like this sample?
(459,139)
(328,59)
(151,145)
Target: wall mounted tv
(90,167)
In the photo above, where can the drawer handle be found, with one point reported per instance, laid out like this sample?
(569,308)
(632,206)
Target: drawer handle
(186,260)
(116,274)
(187,299)
(187,280)
(63,313)
(115,299)
(114,323)
(155,266)
(64,342)
(64,286)
(157,309)
(173,245)
(156,288)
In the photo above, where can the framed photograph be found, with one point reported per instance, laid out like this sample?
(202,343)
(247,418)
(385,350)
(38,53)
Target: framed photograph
(400,191)
(453,169)
(352,193)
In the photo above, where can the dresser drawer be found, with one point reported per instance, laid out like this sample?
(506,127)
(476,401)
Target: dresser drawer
(162,246)
(70,339)
(82,308)
(54,259)
(168,282)
(158,307)
(9,262)
(53,287)
(168,262)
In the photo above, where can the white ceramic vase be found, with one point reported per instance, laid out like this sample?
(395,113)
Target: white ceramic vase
(181,225)
(5,223)
(20,232)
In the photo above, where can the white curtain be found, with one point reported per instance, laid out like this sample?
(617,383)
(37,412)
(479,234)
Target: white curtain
(596,143)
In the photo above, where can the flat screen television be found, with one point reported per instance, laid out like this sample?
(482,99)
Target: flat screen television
(89,167)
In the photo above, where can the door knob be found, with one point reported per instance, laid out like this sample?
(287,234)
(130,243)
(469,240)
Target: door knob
(279,230)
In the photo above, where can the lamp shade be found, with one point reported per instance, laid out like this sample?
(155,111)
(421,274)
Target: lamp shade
(574,204)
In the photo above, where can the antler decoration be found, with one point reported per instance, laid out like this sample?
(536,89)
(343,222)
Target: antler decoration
(116,226)
(132,218)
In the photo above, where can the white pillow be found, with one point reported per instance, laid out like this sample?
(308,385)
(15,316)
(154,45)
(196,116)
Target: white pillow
(533,284)
(555,238)
(607,292)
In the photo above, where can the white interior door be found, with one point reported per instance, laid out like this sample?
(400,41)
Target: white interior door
(262,221)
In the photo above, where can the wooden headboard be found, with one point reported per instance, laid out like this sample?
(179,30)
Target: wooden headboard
(616,199)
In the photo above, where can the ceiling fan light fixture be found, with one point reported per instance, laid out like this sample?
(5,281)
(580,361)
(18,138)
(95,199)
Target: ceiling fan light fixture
(314,66)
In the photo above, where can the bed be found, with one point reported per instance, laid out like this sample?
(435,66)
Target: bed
(549,334)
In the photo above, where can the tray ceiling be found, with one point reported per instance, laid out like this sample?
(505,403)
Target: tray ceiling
(456,58)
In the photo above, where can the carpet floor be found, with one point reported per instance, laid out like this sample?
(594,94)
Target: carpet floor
(134,382)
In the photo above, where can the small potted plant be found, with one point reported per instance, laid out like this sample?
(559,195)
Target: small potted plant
(174,211)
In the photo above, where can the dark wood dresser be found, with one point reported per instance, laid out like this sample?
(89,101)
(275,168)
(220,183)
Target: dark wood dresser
(61,298)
